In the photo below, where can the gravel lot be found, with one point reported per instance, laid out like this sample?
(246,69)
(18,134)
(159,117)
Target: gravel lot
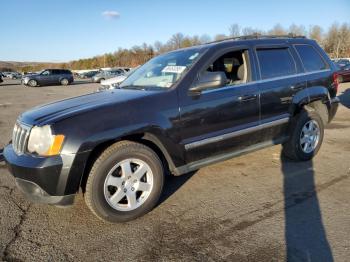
(256,207)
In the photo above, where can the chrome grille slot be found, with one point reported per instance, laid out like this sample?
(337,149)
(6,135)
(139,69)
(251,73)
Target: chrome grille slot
(20,138)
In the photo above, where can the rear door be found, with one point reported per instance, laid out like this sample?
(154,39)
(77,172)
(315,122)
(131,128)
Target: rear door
(280,79)
(317,69)
(56,76)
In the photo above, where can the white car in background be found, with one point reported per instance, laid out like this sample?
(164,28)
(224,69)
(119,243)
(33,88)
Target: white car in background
(114,82)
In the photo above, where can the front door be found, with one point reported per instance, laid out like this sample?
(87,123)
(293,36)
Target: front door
(45,77)
(224,119)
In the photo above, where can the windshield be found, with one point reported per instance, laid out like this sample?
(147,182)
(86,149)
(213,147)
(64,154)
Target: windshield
(162,71)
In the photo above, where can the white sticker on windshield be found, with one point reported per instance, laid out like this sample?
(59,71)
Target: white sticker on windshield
(174,69)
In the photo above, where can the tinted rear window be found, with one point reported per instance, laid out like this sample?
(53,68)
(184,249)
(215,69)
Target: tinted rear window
(310,58)
(275,62)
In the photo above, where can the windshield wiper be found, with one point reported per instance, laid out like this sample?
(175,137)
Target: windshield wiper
(149,88)
(133,87)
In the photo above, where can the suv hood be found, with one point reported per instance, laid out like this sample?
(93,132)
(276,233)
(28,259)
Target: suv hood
(53,112)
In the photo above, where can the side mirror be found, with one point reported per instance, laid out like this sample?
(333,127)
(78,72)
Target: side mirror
(209,80)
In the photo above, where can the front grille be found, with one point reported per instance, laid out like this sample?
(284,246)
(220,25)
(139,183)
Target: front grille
(20,138)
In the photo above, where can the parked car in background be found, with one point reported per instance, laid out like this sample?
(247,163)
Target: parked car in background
(15,75)
(89,74)
(178,112)
(107,74)
(1,76)
(6,74)
(342,62)
(344,73)
(49,77)
(114,82)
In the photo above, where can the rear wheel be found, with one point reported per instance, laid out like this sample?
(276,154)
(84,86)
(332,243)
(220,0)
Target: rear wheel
(32,83)
(125,182)
(64,82)
(306,136)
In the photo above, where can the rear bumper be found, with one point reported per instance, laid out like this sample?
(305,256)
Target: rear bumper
(334,103)
(40,179)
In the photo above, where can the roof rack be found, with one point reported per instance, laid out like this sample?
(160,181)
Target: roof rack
(257,36)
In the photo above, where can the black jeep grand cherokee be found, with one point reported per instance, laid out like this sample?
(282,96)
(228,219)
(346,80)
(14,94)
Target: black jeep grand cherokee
(178,112)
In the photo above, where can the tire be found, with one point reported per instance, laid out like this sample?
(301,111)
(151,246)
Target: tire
(64,82)
(106,181)
(296,148)
(32,83)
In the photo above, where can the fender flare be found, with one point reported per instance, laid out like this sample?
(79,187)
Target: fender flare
(152,138)
(309,95)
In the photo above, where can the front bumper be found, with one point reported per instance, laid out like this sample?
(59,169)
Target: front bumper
(36,194)
(39,178)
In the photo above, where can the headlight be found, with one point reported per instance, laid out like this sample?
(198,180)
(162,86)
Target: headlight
(43,142)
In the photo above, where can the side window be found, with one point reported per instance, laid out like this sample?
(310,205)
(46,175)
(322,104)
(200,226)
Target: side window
(310,58)
(275,62)
(235,65)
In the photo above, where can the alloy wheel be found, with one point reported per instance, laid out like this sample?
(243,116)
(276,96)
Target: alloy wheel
(309,137)
(128,184)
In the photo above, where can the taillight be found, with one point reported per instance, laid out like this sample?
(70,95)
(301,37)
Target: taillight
(335,82)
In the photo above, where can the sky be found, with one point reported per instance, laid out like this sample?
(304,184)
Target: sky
(65,30)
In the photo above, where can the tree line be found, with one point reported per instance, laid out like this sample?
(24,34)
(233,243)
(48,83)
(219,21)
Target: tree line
(335,41)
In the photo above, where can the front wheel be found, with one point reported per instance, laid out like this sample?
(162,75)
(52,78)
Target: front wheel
(306,136)
(32,83)
(125,182)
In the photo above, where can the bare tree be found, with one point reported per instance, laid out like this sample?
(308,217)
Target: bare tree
(316,33)
(204,39)
(176,40)
(251,31)
(220,37)
(337,40)
(235,30)
(297,29)
(278,30)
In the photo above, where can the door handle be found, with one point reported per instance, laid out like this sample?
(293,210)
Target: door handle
(247,97)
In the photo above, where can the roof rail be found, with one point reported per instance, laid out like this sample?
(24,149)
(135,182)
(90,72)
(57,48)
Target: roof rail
(258,36)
